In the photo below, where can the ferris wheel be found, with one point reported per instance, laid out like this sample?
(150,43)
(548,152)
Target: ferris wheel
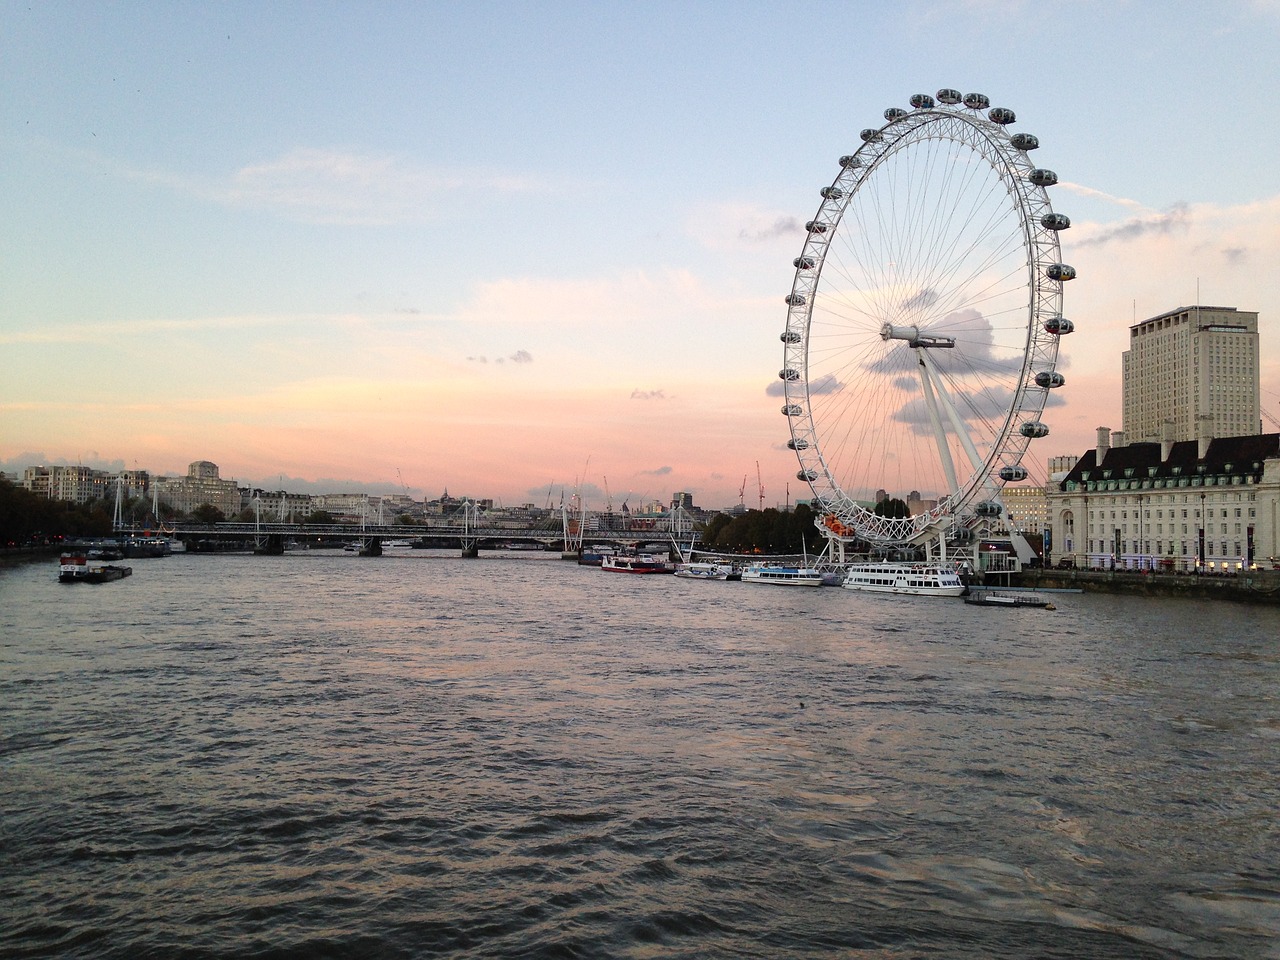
(924,321)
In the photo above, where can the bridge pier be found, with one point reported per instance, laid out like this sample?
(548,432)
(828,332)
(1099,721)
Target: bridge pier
(270,545)
(371,547)
(470,550)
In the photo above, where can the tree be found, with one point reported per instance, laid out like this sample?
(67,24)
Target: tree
(318,517)
(892,508)
(765,531)
(27,518)
(207,513)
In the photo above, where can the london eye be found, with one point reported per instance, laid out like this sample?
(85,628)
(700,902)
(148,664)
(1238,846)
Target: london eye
(923,323)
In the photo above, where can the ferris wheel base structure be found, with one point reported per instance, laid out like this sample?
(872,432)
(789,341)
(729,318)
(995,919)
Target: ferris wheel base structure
(940,543)
(923,327)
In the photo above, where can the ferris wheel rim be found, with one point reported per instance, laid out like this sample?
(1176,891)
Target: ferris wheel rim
(986,136)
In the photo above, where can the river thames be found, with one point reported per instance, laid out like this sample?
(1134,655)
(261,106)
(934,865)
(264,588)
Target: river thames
(319,755)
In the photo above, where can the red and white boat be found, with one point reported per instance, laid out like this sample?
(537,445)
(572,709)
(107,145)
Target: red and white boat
(637,563)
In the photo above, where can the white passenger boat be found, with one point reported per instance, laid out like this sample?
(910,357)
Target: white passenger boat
(708,570)
(782,575)
(920,579)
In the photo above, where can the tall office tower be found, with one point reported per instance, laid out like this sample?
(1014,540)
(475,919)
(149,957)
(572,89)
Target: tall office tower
(1190,363)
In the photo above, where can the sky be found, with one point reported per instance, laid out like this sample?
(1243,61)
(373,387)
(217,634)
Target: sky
(509,249)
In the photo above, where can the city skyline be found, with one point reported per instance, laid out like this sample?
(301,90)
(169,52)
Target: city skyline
(423,247)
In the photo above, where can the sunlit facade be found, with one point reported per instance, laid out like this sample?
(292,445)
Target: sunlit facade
(1196,369)
(1203,505)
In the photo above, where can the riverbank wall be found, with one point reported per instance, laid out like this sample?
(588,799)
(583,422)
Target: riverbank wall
(1250,586)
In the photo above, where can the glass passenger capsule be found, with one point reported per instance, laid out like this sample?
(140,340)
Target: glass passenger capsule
(1033,429)
(832,193)
(871,135)
(948,96)
(798,444)
(1042,178)
(803,263)
(808,476)
(976,101)
(1055,221)
(790,336)
(987,508)
(1024,141)
(816,226)
(795,299)
(1060,271)
(1001,115)
(849,161)
(789,374)
(1059,326)
(922,101)
(1050,379)
(1013,474)
(894,113)
(792,410)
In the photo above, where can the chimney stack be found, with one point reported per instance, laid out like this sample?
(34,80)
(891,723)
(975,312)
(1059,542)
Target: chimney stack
(1204,434)
(1104,443)
(1166,440)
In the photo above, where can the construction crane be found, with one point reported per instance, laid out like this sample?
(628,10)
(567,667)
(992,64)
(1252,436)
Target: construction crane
(760,484)
(742,493)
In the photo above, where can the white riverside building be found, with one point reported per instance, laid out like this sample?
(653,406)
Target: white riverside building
(1210,505)
(1190,364)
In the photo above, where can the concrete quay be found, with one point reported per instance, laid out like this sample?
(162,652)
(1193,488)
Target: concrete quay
(1248,586)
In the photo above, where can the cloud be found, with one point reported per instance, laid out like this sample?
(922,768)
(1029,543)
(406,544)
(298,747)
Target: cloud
(781,227)
(99,332)
(521,356)
(1176,218)
(649,395)
(657,472)
(329,185)
(1083,191)
(827,383)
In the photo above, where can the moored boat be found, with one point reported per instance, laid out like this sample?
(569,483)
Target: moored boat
(639,563)
(987,598)
(594,556)
(917,579)
(708,570)
(80,568)
(782,575)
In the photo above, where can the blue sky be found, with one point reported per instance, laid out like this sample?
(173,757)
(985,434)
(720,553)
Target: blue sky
(498,246)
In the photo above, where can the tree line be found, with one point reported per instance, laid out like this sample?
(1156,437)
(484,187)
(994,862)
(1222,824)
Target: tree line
(27,519)
(764,531)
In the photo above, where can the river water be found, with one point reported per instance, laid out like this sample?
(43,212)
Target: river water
(321,755)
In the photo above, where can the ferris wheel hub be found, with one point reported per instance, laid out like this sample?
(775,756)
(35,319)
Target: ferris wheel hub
(911,334)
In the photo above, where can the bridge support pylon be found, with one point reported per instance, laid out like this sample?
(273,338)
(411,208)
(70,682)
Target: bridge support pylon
(269,545)
(371,547)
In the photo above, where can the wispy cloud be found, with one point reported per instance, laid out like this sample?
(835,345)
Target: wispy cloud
(1178,218)
(649,395)
(100,332)
(321,185)
(335,186)
(1081,190)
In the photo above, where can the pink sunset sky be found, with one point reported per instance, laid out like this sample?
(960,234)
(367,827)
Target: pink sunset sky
(552,254)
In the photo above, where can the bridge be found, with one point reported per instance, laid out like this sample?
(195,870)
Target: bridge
(469,530)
